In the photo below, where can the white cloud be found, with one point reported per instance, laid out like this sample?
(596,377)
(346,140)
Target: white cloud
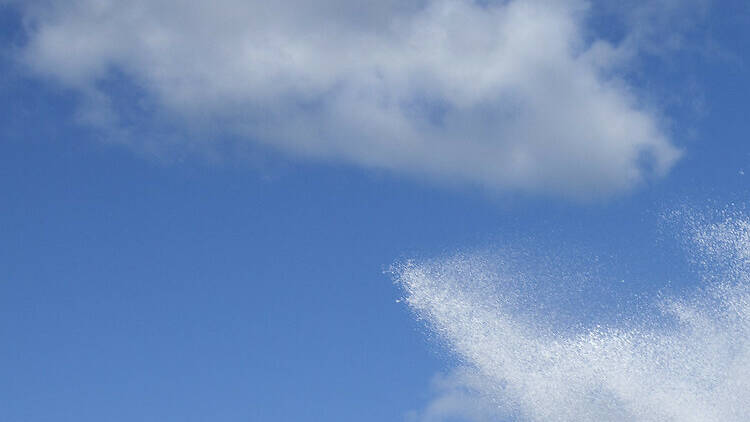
(458,396)
(505,95)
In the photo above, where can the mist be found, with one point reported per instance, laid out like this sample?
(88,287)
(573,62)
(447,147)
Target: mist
(534,350)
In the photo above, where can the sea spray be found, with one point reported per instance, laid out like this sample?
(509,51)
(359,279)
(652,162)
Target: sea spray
(686,359)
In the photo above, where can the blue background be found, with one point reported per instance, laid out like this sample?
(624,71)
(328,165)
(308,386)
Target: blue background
(140,289)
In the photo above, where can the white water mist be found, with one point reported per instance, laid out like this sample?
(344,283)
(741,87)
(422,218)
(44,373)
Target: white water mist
(687,359)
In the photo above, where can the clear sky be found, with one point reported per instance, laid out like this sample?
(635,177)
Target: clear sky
(201,203)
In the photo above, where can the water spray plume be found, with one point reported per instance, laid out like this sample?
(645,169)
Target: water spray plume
(688,360)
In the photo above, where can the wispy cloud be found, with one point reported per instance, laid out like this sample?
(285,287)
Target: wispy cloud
(686,359)
(457,396)
(507,95)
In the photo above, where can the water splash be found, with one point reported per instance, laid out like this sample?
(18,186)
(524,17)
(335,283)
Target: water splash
(686,359)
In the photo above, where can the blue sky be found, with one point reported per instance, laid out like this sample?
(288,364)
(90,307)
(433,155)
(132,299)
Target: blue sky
(196,229)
